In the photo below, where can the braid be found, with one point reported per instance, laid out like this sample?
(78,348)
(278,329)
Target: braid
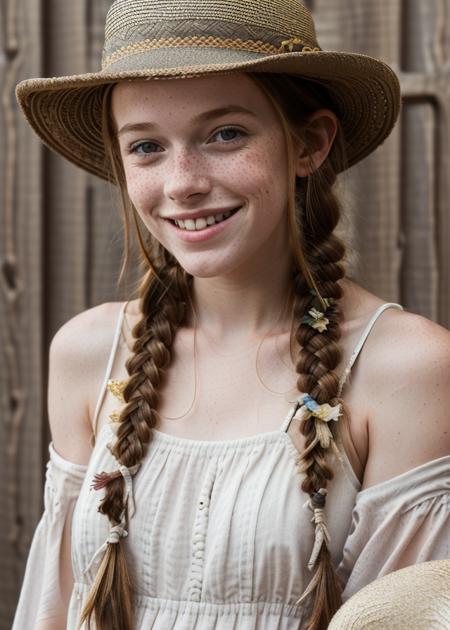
(312,218)
(163,304)
(319,356)
(318,253)
(164,295)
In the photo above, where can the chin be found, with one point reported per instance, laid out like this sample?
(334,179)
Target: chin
(207,268)
(202,272)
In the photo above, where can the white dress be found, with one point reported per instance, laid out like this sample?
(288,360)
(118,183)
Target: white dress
(221,534)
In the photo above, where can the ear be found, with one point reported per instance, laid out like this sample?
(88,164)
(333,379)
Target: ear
(321,131)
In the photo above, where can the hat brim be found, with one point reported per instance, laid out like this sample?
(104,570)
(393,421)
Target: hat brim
(416,597)
(66,112)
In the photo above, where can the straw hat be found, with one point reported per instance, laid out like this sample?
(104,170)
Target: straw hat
(417,597)
(189,38)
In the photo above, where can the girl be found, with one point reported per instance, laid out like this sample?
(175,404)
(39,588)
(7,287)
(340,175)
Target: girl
(178,497)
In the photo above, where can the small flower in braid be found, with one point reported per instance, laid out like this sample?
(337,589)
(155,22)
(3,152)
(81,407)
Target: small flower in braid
(322,414)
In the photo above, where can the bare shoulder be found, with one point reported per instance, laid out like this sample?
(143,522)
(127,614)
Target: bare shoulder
(407,378)
(89,330)
(406,332)
(79,354)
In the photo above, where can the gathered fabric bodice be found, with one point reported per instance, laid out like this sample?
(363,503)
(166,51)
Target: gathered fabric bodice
(221,535)
(222,532)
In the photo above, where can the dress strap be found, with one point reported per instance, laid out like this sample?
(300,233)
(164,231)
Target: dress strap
(288,418)
(356,351)
(112,355)
(362,341)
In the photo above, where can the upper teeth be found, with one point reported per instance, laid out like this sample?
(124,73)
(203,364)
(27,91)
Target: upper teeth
(203,222)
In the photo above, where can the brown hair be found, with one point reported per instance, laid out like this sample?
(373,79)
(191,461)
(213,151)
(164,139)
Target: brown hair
(313,213)
(318,253)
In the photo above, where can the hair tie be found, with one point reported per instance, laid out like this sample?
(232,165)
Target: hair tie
(321,533)
(102,479)
(115,534)
(316,503)
(310,408)
(118,531)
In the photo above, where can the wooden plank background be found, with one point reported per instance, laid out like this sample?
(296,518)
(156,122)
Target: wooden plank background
(60,235)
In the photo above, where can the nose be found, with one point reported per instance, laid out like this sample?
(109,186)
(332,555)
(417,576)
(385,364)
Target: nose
(187,177)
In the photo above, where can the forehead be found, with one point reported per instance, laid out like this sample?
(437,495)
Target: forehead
(187,97)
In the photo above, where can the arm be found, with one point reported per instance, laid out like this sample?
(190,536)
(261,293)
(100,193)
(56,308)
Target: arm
(77,359)
(74,378)
(70,368)
(402,515)
(408,385)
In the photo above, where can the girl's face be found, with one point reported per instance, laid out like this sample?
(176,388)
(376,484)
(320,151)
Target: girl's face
(206,169)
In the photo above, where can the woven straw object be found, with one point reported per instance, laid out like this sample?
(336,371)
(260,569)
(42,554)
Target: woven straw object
(414,598)
(188,38)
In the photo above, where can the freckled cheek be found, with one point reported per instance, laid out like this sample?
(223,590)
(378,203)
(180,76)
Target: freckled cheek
(142,194)
(254,173)
(269,174)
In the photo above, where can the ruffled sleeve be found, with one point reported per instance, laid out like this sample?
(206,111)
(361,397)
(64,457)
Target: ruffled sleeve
(397,523)
(40,597)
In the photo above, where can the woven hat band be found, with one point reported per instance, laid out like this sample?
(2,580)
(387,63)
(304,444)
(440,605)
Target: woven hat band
(190,34)
(157,59)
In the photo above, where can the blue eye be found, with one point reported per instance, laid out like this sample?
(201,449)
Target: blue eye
(145,148)
(228,134)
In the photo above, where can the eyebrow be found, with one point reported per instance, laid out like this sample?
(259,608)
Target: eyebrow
(204,117)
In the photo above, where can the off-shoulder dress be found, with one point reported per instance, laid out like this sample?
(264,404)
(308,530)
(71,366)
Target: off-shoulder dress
(222,533)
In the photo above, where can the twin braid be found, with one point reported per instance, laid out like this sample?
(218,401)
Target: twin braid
(318,357)
(164,301)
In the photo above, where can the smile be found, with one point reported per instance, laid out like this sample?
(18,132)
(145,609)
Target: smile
(203,222)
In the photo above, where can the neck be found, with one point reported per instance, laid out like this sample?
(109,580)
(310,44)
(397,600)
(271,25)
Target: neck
(244,307)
